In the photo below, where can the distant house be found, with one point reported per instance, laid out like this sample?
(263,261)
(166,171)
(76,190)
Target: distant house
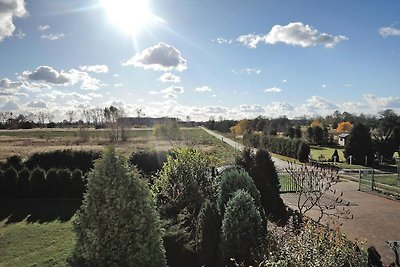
(342,139)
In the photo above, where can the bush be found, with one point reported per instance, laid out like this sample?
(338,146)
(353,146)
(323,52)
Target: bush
(64,176)
(53,184)
(63,159)
(23,182)
(303,152)
(184,182)
(77,184)
(38,183)
(242,230)
(208,234)
(149,162)
(15,162)
(231,181)
(117,224)
(9,183)
(335,154)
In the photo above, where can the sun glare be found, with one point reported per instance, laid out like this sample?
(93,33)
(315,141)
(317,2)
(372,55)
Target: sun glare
(129,15)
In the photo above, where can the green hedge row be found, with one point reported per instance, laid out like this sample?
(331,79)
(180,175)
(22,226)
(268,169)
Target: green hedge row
(294,148)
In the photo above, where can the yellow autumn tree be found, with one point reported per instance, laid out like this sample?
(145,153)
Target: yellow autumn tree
(240,127)
(344,127)
(315,123)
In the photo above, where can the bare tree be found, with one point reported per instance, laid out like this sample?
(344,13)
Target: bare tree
(41,116)
(71,115)
(314,187)
(139,112)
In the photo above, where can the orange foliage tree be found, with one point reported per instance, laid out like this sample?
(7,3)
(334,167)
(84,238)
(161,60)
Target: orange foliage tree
(344,127)
(241,127)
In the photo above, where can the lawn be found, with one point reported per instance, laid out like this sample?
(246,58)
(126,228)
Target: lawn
(36,232)
(326,153)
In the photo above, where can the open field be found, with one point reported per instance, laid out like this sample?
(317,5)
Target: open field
(27,142)
(325,152)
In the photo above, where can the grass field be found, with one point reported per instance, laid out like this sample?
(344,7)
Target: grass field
(27,142)
(326,153)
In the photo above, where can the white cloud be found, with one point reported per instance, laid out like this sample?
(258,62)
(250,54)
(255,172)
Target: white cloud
(382,102)
(348,85)
(203,89)
(153,93)
(323,85)
(273,90)
(10,9)
(173,90)
(221,40)
(295,33)
(95,68)
(10,106)
(247,71)
(169,78)
(8,84)
(53,36)
(38,103)
(252,108)
(316,105)
(51,76)
(213,96)
(42,28)
(118,85)
(389,31)
(161,57)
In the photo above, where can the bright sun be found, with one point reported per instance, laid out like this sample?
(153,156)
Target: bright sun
(130,15)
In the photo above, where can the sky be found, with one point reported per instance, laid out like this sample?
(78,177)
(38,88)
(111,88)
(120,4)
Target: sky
(229,58)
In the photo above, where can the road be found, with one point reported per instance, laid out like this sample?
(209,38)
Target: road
(279,164)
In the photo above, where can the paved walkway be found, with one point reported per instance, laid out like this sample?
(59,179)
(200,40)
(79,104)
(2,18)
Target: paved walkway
(376,218)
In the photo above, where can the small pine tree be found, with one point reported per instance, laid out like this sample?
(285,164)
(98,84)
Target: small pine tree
(64,176)
(23,183)
(208,234)
(242,230)
(77,183)
(335,154)
(117,224)
(53,185)
(231,181)
(303,152)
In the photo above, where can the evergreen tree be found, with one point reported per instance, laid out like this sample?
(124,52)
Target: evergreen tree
(10,182)
(297,132)
(233,180)
(242,230)
(53,184)
(23,183)
(38,183)
(335,154)
(208,234)
(117,224)
(359,145)
(77,183)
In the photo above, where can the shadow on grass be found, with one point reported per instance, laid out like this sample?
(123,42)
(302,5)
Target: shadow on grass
(38,210)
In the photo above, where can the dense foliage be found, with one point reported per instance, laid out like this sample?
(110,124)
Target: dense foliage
(242,230)
(117,224)
(149,162)
(294,148)
(262,170)
(359,145)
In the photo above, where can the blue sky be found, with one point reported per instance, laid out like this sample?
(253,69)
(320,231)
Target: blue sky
(224,58)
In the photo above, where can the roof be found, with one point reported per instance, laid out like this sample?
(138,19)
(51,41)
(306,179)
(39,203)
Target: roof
(343,135)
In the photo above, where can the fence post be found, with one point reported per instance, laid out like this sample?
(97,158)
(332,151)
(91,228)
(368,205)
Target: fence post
(359,180)
(373,180)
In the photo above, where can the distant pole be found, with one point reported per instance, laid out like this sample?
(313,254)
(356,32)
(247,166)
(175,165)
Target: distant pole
(398,171)
(350,157)
(334,160)
(381,159)
(366,160)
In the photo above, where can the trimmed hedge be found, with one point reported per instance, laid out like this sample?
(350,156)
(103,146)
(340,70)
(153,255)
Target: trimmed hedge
(293,148)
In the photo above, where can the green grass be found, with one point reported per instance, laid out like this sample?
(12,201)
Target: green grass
(36,244)
(36,232)
(326,152)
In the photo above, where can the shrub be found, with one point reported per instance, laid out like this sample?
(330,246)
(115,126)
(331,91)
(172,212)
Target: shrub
(117,224)
(15,162)
(262,170)
(208,234)
(335,154)
(303,151)
(149,162)
(53,183)
(184,182)
(23,182)
(9,183)
(242,230)
(63,159)
(231,181)
(64,176)
(38,183)
(77,184)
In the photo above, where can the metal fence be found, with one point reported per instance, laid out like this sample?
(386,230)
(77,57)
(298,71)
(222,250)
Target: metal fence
(370,180)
